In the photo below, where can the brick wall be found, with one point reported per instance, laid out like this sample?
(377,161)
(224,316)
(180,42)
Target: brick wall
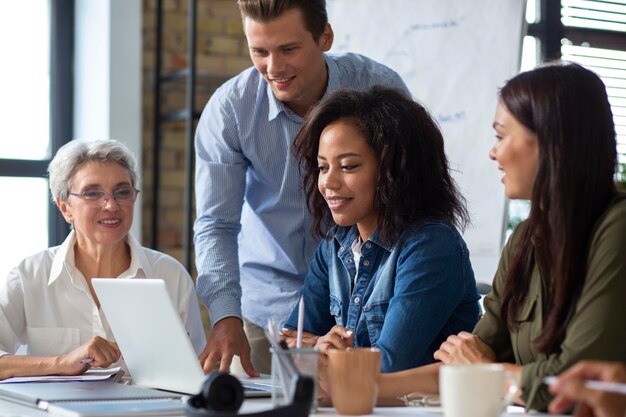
(221,52)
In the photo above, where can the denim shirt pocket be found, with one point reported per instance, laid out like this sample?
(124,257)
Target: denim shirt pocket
(335,310)
(374,315)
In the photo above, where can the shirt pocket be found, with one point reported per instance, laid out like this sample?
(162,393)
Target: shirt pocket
(50,341)
(528,329)
(335,310)
(374,315)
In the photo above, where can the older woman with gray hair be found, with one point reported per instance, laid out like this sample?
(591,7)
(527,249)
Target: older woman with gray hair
(48,303)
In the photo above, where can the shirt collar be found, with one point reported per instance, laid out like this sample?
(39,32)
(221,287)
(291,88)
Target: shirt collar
(64,258)
(333,76)
(275,106)
(346,235)
(138,261)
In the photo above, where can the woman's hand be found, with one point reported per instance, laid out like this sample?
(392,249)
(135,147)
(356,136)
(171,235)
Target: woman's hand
(337,338)
(102,352)
(464,348)
(570,389)
(290,337)
(323,382)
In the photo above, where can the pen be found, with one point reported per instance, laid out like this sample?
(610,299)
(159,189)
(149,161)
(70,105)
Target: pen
(613,387)
(87,360)
(300,323)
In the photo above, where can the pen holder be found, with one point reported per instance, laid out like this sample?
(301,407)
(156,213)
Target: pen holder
(306,362)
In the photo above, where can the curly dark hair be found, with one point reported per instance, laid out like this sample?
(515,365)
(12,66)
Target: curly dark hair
(414,181)
(567,107)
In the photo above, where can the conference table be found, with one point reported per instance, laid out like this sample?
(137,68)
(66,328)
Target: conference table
(9,409)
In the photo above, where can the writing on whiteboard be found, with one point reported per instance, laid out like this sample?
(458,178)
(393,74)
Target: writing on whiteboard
(436,25)
(451,117)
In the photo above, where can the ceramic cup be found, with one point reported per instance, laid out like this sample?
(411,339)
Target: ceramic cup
(353,376)
(475,390)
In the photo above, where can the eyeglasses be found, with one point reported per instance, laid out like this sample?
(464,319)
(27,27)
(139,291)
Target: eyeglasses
(421,399)
(122,196)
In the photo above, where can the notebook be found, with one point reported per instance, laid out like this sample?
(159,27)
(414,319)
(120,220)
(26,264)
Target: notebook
(152,337)
(43,394)
(151,408)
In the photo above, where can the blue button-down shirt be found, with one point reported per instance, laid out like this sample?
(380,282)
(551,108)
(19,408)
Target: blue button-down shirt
(252,234)
(407,298)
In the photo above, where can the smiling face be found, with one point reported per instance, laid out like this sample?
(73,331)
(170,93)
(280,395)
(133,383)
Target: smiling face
(517,152)
(101,223)
(291,61)
(348,174)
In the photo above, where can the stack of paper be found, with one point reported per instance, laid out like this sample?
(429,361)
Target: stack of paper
(93,398)
(93,374)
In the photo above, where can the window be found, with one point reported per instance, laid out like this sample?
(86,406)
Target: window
(594,33)
(610,65)
(24,82)
(595,37)
(517,210)
(35,118)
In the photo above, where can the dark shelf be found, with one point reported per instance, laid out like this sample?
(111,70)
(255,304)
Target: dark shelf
(174,76)
(178,115)
(188,115)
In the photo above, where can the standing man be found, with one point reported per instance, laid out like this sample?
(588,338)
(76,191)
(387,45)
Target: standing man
(252,233)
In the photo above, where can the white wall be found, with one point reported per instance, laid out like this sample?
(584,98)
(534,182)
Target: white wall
(453,56)
(107,74)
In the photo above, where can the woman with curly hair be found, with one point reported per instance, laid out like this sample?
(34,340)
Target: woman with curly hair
(392,270)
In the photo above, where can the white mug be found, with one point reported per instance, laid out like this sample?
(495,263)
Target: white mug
(475,390)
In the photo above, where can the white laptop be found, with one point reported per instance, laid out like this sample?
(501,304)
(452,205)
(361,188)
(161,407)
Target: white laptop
(152,337)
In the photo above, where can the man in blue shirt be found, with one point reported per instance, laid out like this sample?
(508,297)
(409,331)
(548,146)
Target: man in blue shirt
(252,233)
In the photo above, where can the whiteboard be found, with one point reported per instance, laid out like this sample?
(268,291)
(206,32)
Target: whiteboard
(453,56)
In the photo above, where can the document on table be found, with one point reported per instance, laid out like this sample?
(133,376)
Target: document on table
(93,374)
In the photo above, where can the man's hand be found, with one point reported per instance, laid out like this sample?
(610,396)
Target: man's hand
(226,340)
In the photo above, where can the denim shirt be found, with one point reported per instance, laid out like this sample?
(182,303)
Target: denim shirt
(407,298)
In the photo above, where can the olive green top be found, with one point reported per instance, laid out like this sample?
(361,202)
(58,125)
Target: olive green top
(597,329)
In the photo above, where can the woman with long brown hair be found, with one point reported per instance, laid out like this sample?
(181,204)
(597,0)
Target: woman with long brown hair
(559,292)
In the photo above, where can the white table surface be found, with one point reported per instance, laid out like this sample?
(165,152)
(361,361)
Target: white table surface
(259,404)
(9,409)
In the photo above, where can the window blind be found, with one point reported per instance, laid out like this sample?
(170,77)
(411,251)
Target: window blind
(610,65)
(594,14)
(608,18)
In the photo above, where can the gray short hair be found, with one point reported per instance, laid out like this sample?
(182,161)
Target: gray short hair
(75,153)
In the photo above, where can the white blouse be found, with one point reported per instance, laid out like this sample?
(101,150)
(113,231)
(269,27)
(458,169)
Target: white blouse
(46,305)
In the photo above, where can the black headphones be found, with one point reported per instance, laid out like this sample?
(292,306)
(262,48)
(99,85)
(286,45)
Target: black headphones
(221,395)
